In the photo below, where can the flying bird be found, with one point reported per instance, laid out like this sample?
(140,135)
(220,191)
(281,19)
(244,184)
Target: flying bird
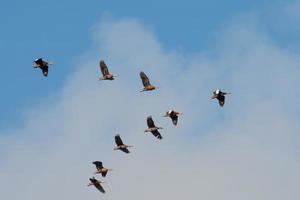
(173,115)
(100,169)
(146,83)
(218,94)
(120,145)
(97,184)
(152,128)
(43,65)
(105,73)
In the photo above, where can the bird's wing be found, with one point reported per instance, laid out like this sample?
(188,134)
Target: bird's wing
(39,61)
(99,187)
(44,70)
(98,164)
(104,173)
(150,122)
(221,100)
(125,150)
(174,119)
(118,140)
(145,79)
(157,134)
(103,68)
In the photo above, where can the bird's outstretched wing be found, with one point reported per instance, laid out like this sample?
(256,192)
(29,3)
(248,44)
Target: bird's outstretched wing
(150,122)
(97,184)
(98,164)
(104,174)
(118,140)
(99,187)
(157,134)
(145,79)
(174,119)
(221,100)
(39,61)
(103,68)
(45,70)
(125,150)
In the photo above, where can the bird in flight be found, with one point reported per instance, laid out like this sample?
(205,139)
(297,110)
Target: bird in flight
(220,95)
(43,65)
(146,83)
(152,128)
(120,145)
(173,115)
(105,73)
(100,169)
(97,184)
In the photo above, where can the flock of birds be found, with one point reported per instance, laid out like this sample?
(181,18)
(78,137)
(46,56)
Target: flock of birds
(152,128)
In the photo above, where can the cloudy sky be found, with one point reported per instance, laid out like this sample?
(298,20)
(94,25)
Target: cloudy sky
(52,129)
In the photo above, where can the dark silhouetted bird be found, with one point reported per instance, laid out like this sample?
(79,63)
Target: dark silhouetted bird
(97,184)
(218,94)
(43,65)
(120,145)
(100,169)
(173,115)
(152,128)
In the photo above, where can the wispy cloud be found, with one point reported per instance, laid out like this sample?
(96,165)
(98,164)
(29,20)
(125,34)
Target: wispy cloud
(247,150)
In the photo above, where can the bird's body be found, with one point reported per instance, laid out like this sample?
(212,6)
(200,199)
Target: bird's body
(97,184)
(43,65)
(146,83)
(105,73)
(152,128)
(120,145)
(173,115)
(220,95)
(100,169)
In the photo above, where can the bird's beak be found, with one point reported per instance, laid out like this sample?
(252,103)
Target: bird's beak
(50,63)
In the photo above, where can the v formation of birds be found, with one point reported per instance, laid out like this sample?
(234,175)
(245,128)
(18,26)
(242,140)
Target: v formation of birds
(152,128)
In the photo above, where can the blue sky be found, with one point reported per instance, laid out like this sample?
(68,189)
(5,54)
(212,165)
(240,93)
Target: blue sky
(55,127)
(61,31)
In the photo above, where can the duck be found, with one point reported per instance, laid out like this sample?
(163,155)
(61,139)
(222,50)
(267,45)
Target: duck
(220,95)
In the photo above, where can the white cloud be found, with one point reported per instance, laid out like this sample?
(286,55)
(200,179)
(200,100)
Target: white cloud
(247,150)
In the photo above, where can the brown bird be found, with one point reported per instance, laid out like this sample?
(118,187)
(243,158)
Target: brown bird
(173,115)
(146,83)
(105,73)
(120,145)
(100,169)
(43,65)
(97,184)
(152,128)
(218,94)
